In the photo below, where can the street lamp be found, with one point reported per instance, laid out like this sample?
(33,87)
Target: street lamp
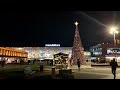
(114,31)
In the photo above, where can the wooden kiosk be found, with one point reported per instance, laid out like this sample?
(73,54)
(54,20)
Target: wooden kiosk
(60,62)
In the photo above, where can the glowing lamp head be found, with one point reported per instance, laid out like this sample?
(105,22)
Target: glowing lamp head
(113,30)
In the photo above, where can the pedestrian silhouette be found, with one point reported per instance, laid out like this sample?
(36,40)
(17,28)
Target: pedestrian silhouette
(114,65)
(3,63)
(29,61)
(78,63)
(21,62)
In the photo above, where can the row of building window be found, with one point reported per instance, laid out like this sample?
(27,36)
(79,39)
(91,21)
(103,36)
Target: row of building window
(6,52)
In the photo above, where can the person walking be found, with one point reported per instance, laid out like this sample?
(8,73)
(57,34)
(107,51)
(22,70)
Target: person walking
(79,64)
(34,61)
(71,62)
(28,62)
(3,62)
(20,61)
(113,65)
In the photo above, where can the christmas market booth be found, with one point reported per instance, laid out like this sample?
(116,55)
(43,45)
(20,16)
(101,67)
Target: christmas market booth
(60,60)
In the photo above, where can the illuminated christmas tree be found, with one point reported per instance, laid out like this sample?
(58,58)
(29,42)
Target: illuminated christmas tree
(77,50)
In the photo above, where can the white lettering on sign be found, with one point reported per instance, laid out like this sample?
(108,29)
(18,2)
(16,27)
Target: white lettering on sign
(52,45)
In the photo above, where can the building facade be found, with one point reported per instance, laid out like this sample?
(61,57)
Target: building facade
(42,53)
(11,55)
(105,52)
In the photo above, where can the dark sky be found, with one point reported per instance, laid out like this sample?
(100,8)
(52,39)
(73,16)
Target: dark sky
(36,28)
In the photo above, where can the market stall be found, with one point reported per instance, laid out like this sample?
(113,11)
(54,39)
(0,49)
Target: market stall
(60,61)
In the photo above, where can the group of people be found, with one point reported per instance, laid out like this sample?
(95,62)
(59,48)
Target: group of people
(29,61)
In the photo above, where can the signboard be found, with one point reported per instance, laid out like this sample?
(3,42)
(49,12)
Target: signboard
(52,45)
(113,50)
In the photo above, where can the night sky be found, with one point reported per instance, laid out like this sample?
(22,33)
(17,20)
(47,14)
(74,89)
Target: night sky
(37,28)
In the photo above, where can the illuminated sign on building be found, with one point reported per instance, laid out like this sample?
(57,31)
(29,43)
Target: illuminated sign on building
(87,53)
(113,50)
(52,45)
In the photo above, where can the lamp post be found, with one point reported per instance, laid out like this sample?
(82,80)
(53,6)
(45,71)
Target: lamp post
(114,31)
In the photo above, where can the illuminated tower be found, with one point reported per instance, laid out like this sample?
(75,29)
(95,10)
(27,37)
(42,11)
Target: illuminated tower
(77,50)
